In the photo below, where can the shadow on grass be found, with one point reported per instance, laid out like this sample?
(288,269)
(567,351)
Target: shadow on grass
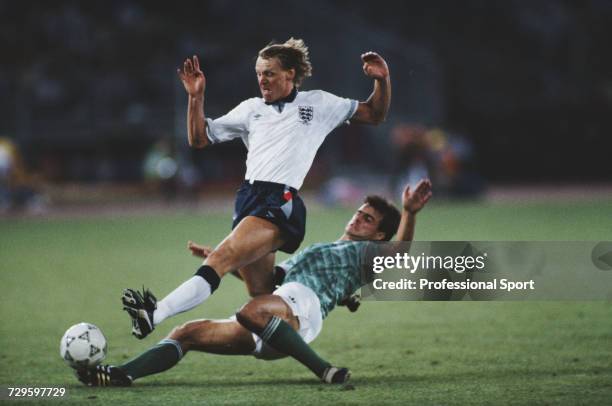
(366,380)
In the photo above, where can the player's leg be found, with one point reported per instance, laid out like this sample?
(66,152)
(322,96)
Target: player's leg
(252,239)
(268,217)
(259,276)
(213,336)
(267,317)
(225,337)
(261,226)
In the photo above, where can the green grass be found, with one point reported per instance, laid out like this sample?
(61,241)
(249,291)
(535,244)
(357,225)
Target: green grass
(54,273)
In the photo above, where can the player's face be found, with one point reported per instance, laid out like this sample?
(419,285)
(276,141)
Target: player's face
(364,224)
(274,82)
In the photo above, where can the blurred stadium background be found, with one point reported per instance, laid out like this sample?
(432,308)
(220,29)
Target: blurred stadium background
(486,94)
(505,105)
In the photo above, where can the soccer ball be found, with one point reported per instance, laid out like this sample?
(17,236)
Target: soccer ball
(83,345)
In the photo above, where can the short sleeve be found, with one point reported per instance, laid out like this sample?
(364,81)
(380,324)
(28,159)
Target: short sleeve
(338,109)
(230,126)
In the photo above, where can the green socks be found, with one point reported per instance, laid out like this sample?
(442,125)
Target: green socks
(166,354)
(277,334)
(283,338)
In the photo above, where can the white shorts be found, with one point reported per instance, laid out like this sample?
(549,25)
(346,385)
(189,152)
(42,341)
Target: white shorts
(305,305)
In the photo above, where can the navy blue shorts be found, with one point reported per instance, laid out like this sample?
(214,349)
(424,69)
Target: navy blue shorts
(279,204)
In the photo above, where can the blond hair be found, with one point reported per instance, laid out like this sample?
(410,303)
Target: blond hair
(293,54)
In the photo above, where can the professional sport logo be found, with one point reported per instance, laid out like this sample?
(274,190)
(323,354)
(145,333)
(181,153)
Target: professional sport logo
(305,113)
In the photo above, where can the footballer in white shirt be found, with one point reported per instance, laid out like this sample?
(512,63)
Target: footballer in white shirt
(282,130)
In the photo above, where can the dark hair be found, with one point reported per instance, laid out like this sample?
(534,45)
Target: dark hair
(293,54)
(390,215)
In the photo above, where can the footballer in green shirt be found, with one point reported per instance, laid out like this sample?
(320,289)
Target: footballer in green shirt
(282,323)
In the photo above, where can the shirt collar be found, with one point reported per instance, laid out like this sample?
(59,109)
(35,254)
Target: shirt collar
(288,99)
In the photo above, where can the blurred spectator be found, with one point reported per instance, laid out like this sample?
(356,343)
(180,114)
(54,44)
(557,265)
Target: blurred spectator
(444,157)
(454,164)
(412,160)
(17,190)
(160,169)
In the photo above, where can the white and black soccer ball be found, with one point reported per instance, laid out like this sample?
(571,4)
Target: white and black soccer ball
(83,345)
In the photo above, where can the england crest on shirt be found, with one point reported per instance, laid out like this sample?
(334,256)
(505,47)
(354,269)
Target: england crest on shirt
(305,113)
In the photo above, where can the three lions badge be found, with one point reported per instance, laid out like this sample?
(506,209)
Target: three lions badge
(305,113)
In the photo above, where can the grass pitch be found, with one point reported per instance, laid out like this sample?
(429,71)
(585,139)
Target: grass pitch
(55,273)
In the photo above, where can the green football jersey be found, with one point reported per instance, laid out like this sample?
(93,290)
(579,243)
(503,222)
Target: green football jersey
(332,270)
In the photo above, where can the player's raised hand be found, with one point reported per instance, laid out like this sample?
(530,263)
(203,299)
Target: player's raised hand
(192,77)
(198,250)
(413,201)
(374,66)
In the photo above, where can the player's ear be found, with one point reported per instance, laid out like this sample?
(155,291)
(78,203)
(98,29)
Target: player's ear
(290,74)
(379,236)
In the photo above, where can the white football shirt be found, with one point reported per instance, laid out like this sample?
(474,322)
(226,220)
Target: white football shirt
(282,144)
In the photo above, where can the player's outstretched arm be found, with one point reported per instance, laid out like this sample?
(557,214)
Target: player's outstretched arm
(412,203)
(374,110)
(194,82)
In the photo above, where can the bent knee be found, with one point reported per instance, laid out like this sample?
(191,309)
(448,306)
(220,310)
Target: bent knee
(180,333)
(254,316)
(185,334)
